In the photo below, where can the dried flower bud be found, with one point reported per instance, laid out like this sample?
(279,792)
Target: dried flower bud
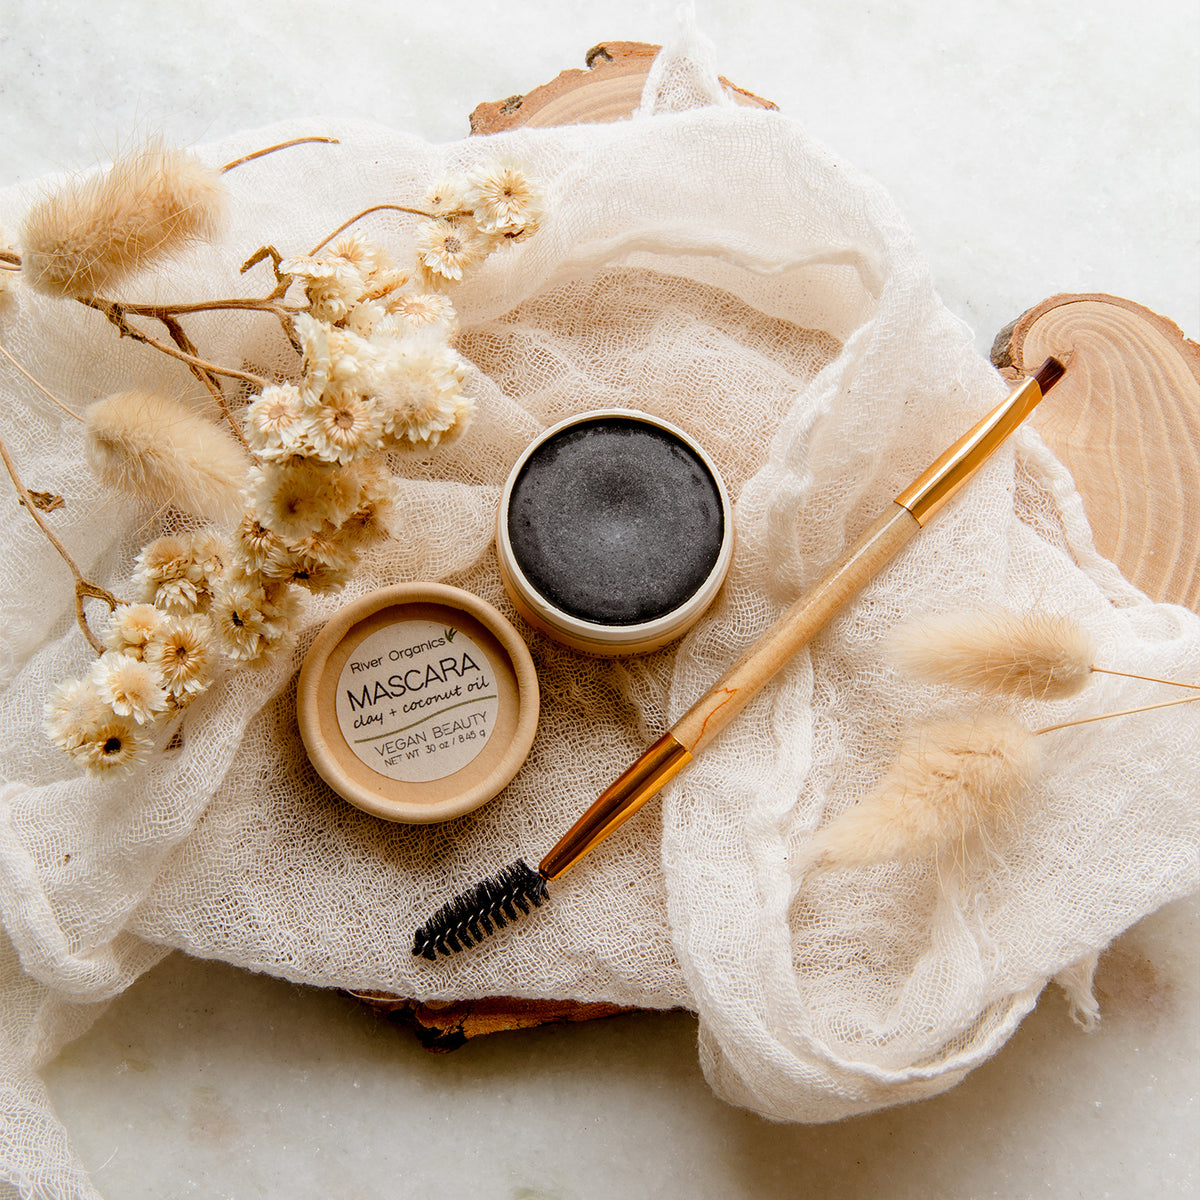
(951,785)
(155,449)
(95,232)
(1032,655)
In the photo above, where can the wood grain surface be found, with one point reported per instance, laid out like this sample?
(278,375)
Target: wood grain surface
(1126,422)
(608,88)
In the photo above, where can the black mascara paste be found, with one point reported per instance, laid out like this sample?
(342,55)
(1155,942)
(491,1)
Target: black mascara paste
(615,532)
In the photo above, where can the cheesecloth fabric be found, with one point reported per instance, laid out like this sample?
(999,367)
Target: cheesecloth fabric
(711,264)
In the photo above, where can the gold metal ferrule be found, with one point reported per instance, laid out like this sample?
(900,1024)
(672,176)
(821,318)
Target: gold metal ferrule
(617,803)
(941,481)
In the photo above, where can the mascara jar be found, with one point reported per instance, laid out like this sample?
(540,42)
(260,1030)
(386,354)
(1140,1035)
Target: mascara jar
(417,702)
(614,533)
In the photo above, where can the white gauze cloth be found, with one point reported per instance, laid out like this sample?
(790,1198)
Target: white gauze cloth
(710,264)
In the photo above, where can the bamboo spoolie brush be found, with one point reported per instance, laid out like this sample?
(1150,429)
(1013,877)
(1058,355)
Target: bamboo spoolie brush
(515,889)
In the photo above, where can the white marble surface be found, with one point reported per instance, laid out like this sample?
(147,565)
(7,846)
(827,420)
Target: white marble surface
(1034,149)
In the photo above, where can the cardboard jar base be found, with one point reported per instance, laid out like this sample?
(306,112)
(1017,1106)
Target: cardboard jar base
(418,703)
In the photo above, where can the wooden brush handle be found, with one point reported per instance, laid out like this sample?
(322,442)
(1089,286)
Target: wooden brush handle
(795,628)
(734,690)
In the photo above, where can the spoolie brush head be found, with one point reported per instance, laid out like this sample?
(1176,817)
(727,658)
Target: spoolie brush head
(482,910)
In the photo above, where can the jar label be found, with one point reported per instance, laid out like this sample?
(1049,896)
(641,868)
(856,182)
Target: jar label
(417,701)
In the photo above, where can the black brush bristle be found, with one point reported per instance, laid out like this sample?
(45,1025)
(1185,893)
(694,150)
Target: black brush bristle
(483,909)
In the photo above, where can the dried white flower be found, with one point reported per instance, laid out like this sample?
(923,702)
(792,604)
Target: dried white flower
(247,623)
(317,562)
(131,627)
(253,544)
(332,284)
(363,318)
(420,310)
(298,498)
(448,196)
(163,574)
(380,274)
(345,425)
(372,518)
(275,423)
(451,248)
(418,382)
(207,552)
(72,708)
(130,687)
(332,356)
(112,741)
(182,653)
(176,573)
(506,203)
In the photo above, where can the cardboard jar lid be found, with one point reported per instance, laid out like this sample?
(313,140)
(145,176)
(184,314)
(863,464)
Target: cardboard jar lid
(418,702)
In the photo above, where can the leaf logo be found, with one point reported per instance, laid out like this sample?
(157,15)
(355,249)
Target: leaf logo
(451,634)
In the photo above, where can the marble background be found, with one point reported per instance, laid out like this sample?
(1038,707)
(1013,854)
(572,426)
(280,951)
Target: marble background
(1034,148)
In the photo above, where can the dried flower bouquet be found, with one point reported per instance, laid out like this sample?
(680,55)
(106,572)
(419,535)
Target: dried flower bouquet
(298,485)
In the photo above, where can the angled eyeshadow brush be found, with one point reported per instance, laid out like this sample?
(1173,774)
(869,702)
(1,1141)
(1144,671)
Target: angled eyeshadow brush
(517,888)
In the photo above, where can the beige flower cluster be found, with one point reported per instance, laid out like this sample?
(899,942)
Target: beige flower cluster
(473,214)
(378,375)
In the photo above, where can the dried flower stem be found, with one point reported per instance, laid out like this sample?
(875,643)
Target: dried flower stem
(300,141)
(203,370)
(1125,712)
(116,314)
(1147,678)
(416,212)
(40,386)
(266,304)
(83,588)
(10,260)
(282,279)
(206,377)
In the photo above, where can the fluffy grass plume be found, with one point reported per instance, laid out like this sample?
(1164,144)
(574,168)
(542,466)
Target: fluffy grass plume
(154,449)
(1032,655)
(96,231)
(951,786)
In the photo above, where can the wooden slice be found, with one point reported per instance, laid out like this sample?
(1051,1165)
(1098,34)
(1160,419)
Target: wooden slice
(442,1027)
(609,89)
(1125,420)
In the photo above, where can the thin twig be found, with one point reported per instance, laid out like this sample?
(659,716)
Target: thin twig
(40,386)
(283,280)
(300,141)
(252,303)
(1147,678)
(416,212)
(1125,712)
(83,588)
(114,313)
(206,377)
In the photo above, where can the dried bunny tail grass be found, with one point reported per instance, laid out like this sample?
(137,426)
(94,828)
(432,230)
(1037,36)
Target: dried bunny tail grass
(1032,655)
(95,231)
(950,786)
(154,449)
